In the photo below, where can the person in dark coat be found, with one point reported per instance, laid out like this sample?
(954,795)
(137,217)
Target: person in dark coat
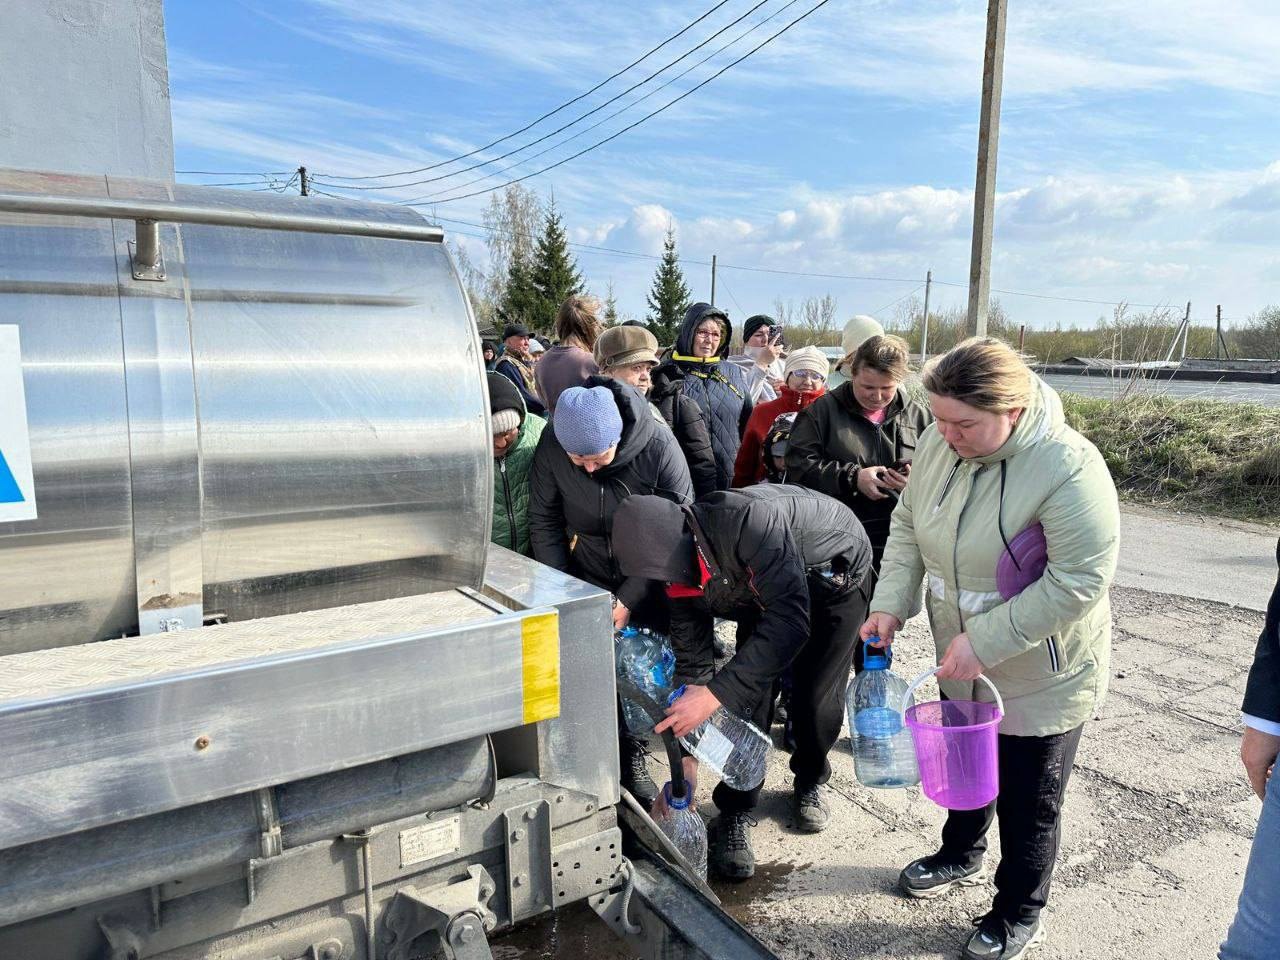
(856,442)
(516,364)
(1255,932)
(603,446)
(696,369)
(791,567)
(630,354)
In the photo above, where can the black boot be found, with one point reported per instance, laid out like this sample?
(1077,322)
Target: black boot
(635,773)
(729,843)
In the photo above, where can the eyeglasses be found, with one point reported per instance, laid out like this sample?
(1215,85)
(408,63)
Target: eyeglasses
(811,375)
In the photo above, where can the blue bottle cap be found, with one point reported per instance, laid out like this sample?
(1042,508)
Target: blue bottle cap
(677,803)
(676,694)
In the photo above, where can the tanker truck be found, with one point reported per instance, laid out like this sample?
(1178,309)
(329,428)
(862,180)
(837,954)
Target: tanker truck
(267,692)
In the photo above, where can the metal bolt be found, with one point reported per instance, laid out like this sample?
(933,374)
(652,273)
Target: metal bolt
(517,836)
(560,798)
(330,952)
(467,933)
(530,814)
(590,807)
(520,880)
(202,742)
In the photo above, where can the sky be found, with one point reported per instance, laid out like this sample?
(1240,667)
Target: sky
(1139,147)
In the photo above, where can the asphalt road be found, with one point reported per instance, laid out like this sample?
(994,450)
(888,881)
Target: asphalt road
(1267,394)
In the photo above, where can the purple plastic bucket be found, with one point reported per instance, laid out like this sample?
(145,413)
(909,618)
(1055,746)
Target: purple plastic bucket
(956,748)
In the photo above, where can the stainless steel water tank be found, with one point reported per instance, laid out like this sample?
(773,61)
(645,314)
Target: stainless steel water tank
(280,407)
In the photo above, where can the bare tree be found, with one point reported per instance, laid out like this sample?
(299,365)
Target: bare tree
(1260,337)
(512,224)
(476,284)
(814,324)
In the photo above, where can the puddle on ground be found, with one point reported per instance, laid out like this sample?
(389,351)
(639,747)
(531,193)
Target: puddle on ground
(575,932)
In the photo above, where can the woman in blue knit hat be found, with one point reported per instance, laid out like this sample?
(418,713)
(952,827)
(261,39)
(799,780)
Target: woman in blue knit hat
(602,446)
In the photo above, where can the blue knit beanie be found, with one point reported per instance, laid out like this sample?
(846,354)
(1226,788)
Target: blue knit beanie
(587,421)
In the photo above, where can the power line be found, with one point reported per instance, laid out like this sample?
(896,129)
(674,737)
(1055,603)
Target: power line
(612,116)
(894,303)
(550,113)
(816,7)
(1046,296)
(231,173)
(559,129)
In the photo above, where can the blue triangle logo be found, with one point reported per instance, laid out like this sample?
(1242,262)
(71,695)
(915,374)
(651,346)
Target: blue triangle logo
(9,492)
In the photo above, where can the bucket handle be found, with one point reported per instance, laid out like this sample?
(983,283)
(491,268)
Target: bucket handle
(906,697)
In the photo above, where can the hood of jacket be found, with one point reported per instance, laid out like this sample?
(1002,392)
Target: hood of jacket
(638,424)
(1042,418)
(692,318)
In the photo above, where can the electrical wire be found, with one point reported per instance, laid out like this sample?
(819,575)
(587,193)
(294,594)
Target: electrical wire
(894,303)
(617,113)
(560,129)
(233,173)
(729,66)
(549,113)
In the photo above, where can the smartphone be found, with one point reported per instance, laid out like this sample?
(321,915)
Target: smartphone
(903,467)
(775,335)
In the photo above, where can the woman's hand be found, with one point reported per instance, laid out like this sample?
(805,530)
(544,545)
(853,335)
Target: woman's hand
(960,662)
(882,625)
(1258,753)
(872,482)
(689,711)
(621,615)
(660,810)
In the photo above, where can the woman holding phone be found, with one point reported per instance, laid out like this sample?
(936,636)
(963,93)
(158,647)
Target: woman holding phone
(762,356)
(1001,469)
(856,442)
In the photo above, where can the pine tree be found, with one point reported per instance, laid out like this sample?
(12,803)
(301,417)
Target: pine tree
(553,271)
(611,307)
(669,296)
(521,302)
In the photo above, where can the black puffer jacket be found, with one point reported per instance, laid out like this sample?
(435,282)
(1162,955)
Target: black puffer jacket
(686,421)
(758,545)
(832,440)
(720,389)
(571,511)
(1262,695)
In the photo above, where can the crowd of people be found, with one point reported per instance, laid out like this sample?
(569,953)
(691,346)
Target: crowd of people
(698,486)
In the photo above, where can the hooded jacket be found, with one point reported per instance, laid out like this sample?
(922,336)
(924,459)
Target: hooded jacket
(755,548)
(833,439)
(750,467)
(511,473)
(720,389)
(683,415)
(1047,649)
(519,370)
(571,511)
(1262,694)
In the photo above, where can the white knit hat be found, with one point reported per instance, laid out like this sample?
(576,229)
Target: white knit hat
(504,420)
(807,358)
(859,330)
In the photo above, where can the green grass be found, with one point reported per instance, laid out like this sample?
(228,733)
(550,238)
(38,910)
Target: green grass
(1199,455)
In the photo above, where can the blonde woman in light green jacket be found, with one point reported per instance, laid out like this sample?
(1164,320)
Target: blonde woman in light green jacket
(998,459)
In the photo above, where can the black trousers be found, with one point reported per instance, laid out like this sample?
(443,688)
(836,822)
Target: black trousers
(819,679)
(1033,780)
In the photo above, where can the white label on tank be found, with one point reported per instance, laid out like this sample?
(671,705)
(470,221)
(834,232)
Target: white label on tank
(430,840)
(715,747)
(17,488)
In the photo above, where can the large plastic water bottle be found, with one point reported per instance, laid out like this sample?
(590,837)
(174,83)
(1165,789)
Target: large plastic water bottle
(734,748)
(644,657)
(685,829)
(883,754)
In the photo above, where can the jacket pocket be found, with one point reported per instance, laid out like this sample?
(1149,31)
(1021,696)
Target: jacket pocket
(1041,662)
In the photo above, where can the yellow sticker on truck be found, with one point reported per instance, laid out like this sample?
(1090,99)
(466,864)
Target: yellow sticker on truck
(540,642)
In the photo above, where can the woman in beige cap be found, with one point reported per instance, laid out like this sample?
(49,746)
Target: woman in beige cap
(628,353)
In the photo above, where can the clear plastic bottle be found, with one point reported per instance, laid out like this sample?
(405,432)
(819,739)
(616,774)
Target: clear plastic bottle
(730,745)
(883,753)
(685,829)
(644,657)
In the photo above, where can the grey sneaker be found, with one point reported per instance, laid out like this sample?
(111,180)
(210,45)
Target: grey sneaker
(998,939)
(729,847)
(932,876)
(635,777)
(810,808)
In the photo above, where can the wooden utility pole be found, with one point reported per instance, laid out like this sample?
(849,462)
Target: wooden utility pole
(924,322)
(713,279)
(304,182)
(1217,343)
(984,195)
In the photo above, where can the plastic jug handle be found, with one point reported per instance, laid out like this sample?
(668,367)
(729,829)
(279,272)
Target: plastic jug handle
(906,697)
(676,694)
(886,652)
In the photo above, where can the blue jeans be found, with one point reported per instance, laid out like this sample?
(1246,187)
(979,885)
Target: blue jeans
(1255,932)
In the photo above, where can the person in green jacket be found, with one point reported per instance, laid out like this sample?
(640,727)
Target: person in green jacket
(999,459)
(515,438)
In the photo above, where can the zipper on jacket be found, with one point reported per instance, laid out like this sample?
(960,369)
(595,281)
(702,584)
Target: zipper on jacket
(506,499)
(946,486)
(608,539)
(1054,663)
